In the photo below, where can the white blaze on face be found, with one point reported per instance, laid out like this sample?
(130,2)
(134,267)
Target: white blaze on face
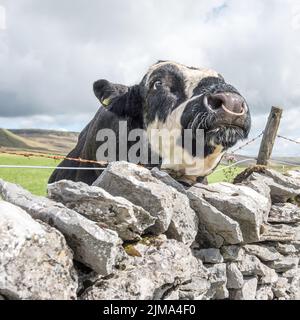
(164,138)
(169,149)
(193,77)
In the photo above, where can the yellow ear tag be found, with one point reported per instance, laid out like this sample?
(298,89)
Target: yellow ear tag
(105,102)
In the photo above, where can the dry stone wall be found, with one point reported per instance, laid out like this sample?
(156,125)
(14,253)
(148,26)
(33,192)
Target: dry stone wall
(139,234)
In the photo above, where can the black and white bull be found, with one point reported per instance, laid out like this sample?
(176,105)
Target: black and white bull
(170,96)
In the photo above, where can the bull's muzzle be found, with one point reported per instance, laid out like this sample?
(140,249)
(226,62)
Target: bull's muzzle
(230,103)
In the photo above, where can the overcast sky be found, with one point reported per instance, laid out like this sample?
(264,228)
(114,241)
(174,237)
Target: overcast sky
(52,51)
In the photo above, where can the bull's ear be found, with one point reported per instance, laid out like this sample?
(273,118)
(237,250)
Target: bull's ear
(106,91)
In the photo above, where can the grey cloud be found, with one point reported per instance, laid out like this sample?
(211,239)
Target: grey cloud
(52,51)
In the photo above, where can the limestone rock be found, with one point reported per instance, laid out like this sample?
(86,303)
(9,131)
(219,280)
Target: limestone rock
(286,249)
(118,214)
(284,264)
(294,289)
(264,293)
(294,174)
(86,277)
(222,293)
(207,242)
(221,228)
(218,282)
(170,207)
(296,229)
(264,253)
(209,255)
(152,275)
(281,287)
(195,289)
(284,213)
(168,180)
(251,265)
(282,188)
(234,277)
(94,246)
(172,295)
(35,261)
(233,253)
(283,180)
(270,276)
(296,244)
(248,292)
(278,232)
(262,188)
(291,273)
(256,183)
(207,238)
(241,204)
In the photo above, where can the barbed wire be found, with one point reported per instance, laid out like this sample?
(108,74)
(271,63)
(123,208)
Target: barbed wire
(232,153)
(246,144)
(105,163)
(234,164)
(53,157)
(60,157)
(80,160)
(6,166)
(288,139)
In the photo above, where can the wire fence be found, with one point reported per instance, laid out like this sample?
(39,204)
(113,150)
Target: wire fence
(246,144)
(101,165)
(288,139)
(52,156)
(273,160)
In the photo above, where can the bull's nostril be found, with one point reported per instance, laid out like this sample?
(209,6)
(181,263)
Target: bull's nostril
(231,103)
(215,102)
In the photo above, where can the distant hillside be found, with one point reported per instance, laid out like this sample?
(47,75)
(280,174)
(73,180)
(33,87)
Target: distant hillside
(39,132)
(11,140)
(38,140)
(277,161)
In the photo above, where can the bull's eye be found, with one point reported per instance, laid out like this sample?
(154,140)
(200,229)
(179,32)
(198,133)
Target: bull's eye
(157,85)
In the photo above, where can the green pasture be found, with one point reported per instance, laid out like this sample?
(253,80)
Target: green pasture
(35,180)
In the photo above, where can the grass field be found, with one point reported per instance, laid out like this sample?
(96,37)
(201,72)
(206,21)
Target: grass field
(35,180)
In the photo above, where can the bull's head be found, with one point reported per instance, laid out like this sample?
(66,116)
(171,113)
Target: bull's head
(172,95)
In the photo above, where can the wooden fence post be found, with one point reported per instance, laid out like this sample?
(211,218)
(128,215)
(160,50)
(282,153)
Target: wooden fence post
(270,134)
